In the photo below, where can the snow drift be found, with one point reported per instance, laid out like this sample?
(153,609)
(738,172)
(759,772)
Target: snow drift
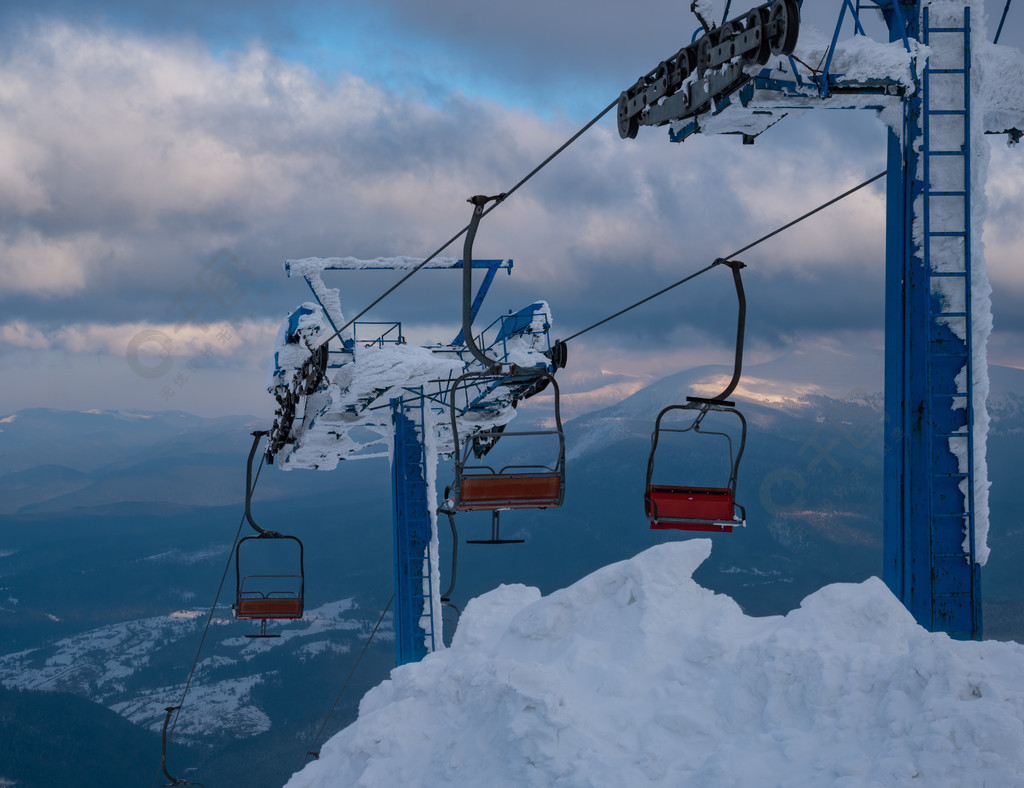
(636,676)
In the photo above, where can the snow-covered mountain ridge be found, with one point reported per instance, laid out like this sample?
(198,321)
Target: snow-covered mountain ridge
(123,666)
(636,675)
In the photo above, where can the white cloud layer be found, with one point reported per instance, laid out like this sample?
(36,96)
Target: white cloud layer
(33,263)
(154,150)
(128,160)
(143,340)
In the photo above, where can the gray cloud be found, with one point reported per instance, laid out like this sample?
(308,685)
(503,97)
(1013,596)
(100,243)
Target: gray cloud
(129,160)
(569,56)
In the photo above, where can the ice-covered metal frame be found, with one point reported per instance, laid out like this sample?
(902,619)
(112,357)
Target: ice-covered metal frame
(334,397)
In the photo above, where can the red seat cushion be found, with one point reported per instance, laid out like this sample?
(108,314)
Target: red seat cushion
(679,507)
(269,607)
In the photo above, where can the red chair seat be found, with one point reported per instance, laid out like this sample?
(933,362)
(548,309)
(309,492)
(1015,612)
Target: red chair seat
(690,508)
(510,491)
(269,607)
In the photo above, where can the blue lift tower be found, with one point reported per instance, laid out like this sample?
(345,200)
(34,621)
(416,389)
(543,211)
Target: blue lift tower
(937,298)
(931,471)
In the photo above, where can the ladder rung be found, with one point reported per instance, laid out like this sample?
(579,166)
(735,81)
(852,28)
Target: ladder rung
(948,234)
(946,111)
(947,153)
(945,30)
(947,70)
(946,194)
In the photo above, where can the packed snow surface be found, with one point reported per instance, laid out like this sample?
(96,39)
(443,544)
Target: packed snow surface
(638,676)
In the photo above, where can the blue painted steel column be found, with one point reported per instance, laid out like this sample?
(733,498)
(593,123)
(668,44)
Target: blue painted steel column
(414,604)
(929,560)
(897,256)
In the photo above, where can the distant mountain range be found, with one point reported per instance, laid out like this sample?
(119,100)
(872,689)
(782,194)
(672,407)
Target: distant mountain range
(116,531)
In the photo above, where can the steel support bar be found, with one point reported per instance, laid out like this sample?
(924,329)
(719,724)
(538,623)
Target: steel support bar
(417,617)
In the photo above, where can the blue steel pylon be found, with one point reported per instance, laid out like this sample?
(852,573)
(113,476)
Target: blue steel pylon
(930,559)
(417,612)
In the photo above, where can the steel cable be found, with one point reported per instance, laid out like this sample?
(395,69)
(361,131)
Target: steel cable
(209,619)
(463,231)
(312,746)
(738,252)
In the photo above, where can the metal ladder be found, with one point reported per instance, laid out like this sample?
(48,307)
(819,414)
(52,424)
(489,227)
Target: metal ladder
(414,588)
(946,241)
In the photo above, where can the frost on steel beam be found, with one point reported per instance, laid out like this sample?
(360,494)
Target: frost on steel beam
(334,390)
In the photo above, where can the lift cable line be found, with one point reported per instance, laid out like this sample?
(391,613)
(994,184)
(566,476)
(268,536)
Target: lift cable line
(721,260)
(483,213)
(312,747)
(641,302)
(1002,19)
(209,620)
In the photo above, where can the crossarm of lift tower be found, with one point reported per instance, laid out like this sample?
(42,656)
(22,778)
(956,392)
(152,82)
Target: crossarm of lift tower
(335,385)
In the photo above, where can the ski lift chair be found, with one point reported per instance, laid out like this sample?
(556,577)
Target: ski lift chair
(703,508)
(696,508)
(259,595)
(478,486)
(268,596)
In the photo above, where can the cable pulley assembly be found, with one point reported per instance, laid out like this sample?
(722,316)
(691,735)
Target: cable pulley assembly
(710,68)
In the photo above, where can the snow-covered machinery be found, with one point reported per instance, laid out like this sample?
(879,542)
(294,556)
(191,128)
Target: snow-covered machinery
(334,388)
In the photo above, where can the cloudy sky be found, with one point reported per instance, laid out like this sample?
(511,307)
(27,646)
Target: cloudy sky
(158,162)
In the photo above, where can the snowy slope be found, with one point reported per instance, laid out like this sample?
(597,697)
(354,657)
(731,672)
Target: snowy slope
(124,666)
(637,676)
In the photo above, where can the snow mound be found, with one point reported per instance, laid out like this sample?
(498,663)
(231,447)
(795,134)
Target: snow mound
(638,676)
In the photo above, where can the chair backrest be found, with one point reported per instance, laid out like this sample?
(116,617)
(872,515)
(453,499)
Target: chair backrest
(510,491)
